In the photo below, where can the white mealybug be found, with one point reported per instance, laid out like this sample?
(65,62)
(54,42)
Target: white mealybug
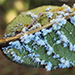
(60,12)
(73,5)
(48,66)
(49,14)
(37,60)
(68,9)
(48,8)
(28,13)
(56,56)
(42,62)
(72,19)
(24,29)
(58,41)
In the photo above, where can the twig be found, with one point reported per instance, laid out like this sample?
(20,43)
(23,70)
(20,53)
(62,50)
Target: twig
(4,41)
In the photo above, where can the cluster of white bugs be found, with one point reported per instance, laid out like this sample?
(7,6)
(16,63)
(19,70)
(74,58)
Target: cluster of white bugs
(39,39)
(48,66)
(15,57)
(65,41)
(49,15)
(64,63)
(72,19)
(48,9)
(58,23)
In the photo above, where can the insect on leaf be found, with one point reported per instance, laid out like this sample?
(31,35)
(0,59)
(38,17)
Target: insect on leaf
(45,37)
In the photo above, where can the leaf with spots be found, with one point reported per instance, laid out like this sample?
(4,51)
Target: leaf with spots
(42,37)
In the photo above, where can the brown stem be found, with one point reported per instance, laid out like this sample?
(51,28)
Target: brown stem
(4,41)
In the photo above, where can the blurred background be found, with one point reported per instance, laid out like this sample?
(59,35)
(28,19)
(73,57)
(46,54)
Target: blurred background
(9,9)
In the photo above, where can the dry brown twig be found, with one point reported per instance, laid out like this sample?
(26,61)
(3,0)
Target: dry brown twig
(4,41)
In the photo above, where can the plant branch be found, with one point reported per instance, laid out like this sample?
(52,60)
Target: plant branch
(7,40)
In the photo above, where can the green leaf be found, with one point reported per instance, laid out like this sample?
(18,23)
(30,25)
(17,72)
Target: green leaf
(59,44)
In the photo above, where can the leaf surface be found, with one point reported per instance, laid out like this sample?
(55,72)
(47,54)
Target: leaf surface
(63,45)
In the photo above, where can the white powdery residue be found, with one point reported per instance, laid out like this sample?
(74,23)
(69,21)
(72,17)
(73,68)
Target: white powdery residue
(12,52)
(28,13)
(70,32)
(73,5)
(58,32)
(48,66)
(27,48)
(58,41)
(38,25)
(37,60)
(31,14)
(71,47)
(16,44)
(21,61)
(37,38)
(72,63)
(48,8)
(25,38)
(66,14)
(56,56)
(64,63)
(37,33)
(32,56)
(17,59)
(46,31)
(10,49)
(59,16)
(74,48)
(64,5)
(48,48)
(40,42)
(65,41)
(5,51)
(55,67)
(35,47)
(64,38)
(68,9)
(54,26)
(54,39)
(36,55)
(31,36)
(60,12)
(65,44)
(61,21)
(49,15)
(72,19)
(24,29)
(50,29)
(13,55)
(5,36)
(42,62)
(25,56)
